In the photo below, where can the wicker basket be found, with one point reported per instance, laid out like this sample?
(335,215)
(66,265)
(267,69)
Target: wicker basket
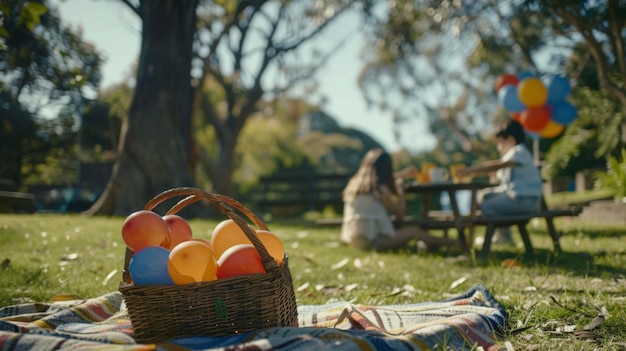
(217,308)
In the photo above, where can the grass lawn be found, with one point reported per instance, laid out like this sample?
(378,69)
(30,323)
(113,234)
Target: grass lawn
(45,255)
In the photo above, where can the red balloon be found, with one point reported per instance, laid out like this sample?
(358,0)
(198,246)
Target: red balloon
(506,79)
(534,119)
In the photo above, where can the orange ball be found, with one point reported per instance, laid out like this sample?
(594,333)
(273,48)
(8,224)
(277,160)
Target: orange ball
(226,235)
(190,262)
(239,260)
(273,245)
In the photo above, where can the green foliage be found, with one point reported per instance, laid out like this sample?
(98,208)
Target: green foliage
(587,141)
(614,178)
(43,63)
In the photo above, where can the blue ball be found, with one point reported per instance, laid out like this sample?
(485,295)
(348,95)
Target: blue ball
(149,266)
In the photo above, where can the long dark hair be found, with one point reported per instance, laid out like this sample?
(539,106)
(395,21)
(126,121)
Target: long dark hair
(375,170)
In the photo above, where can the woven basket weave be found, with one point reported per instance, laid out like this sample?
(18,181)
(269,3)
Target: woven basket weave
(217,308)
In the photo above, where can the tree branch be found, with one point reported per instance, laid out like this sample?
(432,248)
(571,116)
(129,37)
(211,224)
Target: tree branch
(135,9)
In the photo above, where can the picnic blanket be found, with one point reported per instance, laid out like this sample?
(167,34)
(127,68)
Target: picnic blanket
(472,320)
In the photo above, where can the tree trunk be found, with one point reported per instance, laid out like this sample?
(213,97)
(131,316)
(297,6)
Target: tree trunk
(155,144)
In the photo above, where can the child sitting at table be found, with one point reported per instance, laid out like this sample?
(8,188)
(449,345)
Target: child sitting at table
(371,198)
(519,182)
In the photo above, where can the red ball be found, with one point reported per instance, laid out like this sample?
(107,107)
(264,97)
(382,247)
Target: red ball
(144,228)
(239,260)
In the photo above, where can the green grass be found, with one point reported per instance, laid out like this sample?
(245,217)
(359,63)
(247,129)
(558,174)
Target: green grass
(68,254)
(565,198)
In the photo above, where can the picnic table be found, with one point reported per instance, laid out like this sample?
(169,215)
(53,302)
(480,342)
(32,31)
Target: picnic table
(455,219)
(448,219)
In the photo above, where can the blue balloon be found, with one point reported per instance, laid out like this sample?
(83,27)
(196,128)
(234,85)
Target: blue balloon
(558,89)
(526,74)
(563,113)
(149,266)
(508,97)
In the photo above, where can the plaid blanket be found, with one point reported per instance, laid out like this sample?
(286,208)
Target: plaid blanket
(471,321)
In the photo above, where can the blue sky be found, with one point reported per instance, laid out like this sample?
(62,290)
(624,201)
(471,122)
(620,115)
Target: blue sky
(115,31)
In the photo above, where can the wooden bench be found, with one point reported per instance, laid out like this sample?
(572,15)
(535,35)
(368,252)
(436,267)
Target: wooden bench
(291,193)
(14,201)
(521,222)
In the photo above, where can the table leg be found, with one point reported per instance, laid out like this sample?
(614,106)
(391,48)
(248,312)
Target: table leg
(457,218)
(473,211)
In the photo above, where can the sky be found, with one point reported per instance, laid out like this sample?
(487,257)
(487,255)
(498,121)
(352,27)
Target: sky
(115,31)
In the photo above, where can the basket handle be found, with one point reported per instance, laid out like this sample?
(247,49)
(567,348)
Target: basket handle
(226,205)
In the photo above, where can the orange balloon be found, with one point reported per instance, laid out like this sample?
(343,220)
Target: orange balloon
(273,245)
(192,262)
(532,92)
(551,130)
(225,235)
(516,116)
(203,241)
(239,260)
(534,119)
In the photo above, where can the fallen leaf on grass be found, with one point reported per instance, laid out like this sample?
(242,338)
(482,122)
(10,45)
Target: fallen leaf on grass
(510,262)
(65,297)
(303,286)
(351,287)
(458,282)
(585,334)
(594,323)
(109,276)
(340,264)
(566,329)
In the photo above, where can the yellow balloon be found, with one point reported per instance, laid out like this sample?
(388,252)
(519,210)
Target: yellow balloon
(532,92)
(273,245)
(226,235)
(551,130)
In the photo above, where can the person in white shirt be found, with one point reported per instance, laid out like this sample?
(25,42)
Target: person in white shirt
(519,186)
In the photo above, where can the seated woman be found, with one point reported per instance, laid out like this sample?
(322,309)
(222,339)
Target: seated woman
(372,197)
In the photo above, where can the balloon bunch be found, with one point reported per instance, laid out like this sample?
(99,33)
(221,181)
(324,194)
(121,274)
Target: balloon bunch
(539,105)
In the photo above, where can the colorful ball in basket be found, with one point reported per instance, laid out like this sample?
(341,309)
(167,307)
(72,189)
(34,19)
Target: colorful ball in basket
(144,228)
(221,307)
(180,230)
(226,235)
(149,266)
(273,245)
(239,260)
(192,262)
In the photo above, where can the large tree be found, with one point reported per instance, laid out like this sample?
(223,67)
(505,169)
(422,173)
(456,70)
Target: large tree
(155,143)
(225,51)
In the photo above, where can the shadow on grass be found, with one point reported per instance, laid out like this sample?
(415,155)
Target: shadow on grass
(574,262)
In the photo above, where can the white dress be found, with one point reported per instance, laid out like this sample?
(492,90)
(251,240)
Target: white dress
(364,220)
